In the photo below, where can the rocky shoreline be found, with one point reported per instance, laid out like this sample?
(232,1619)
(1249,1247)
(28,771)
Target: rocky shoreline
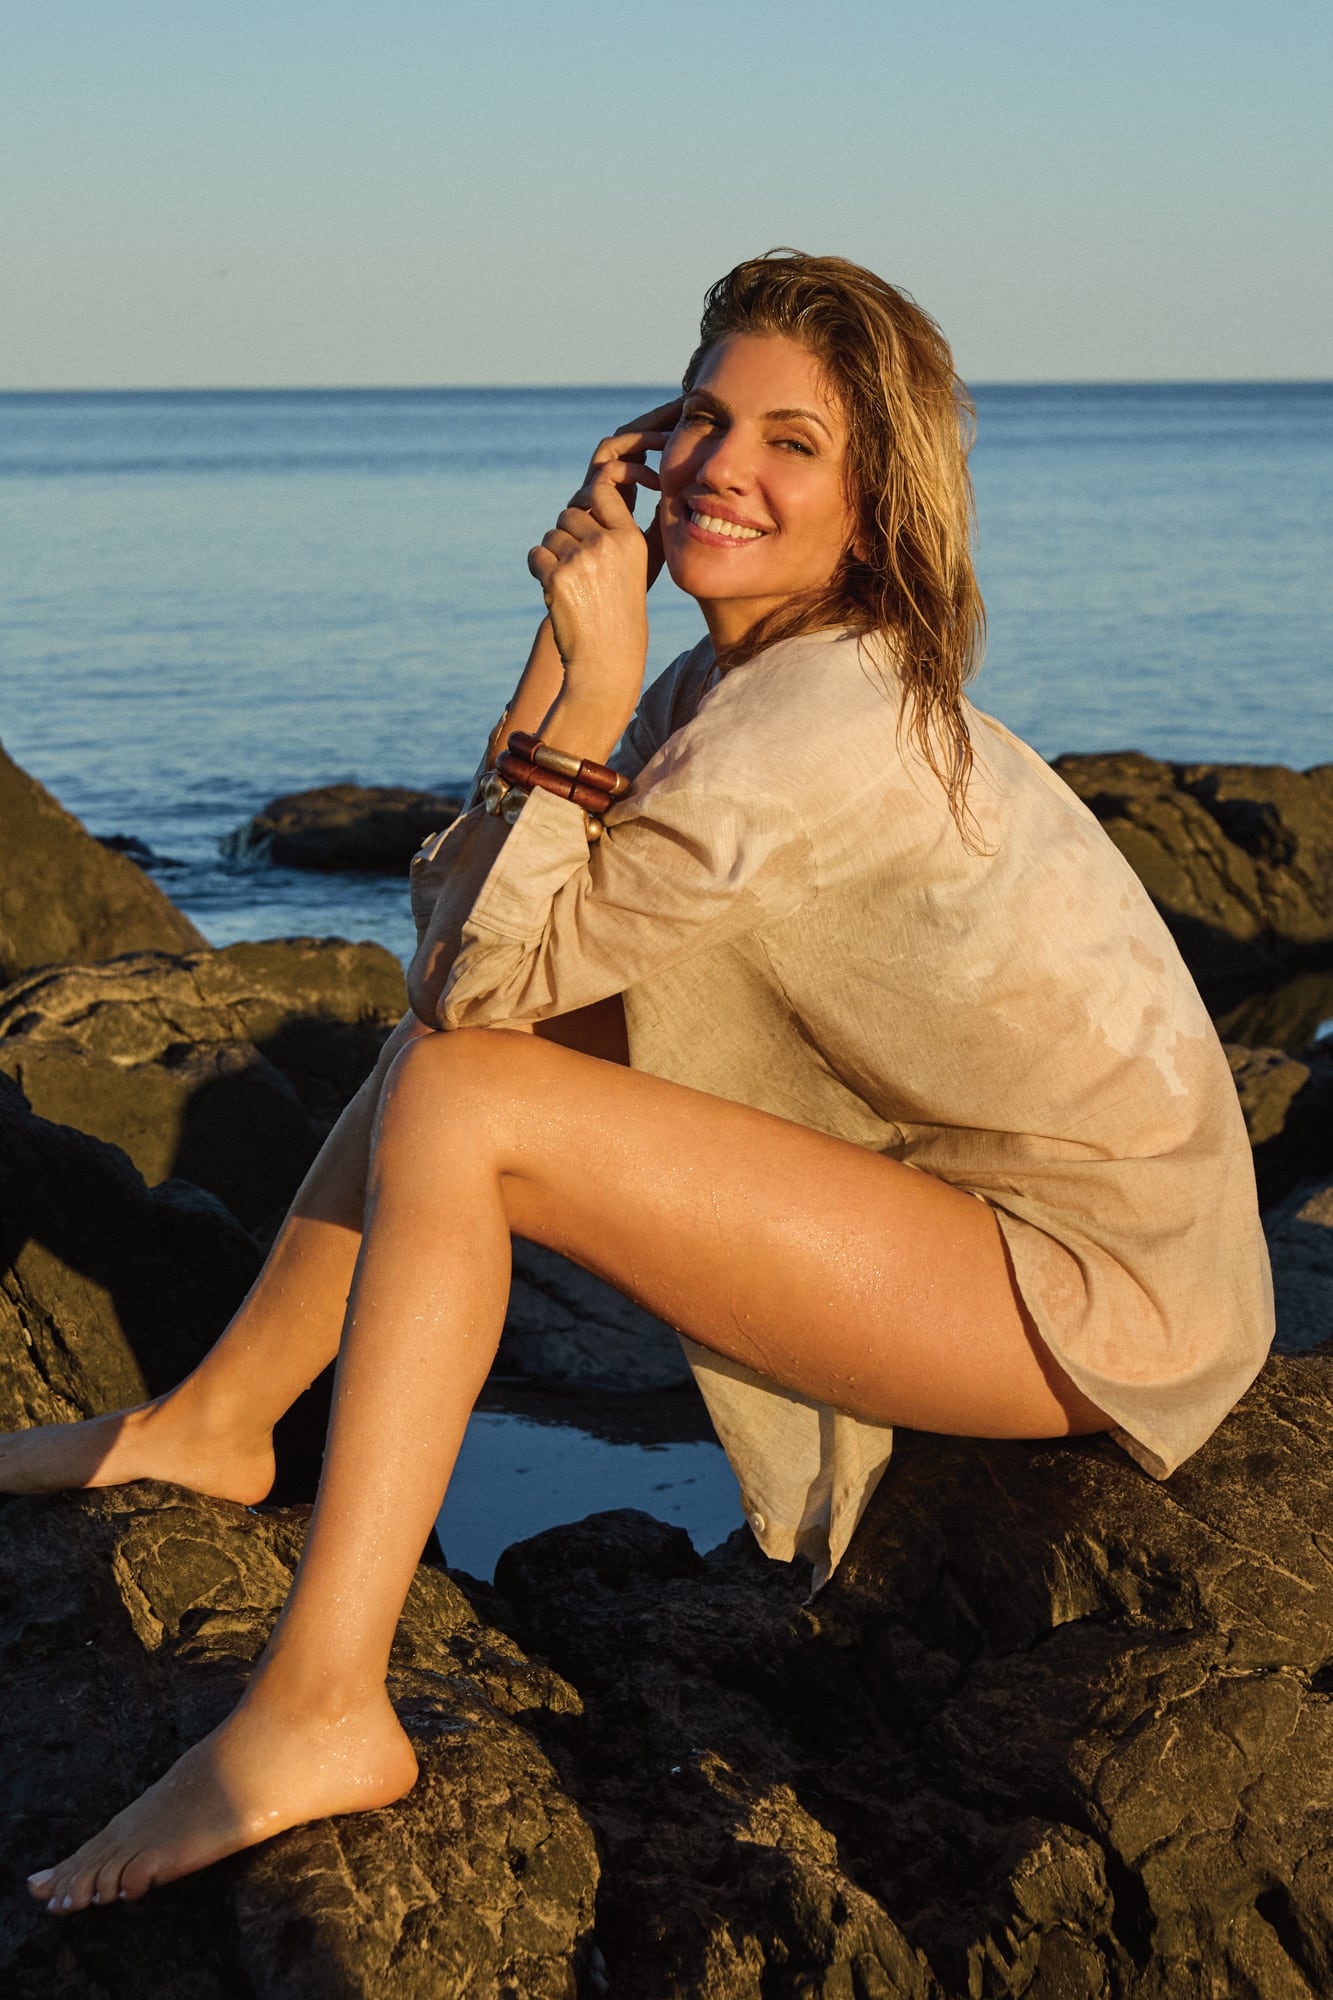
(1085,1757)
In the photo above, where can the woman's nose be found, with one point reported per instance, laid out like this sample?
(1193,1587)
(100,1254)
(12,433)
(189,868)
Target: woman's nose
(727,466)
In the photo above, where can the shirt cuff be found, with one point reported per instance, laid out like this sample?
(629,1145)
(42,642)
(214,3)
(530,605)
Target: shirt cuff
(547,843)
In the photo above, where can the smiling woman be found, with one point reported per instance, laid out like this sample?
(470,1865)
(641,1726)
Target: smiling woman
(793,996)
(755,509)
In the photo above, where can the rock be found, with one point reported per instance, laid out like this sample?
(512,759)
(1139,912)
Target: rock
(367,829)
(64,896)
(110,1291)
(224,1067)
(566,1327)
(1288,1107)
(128,1620)
(139,852)
(1237,857)
(1288,1016)
(1053,1729)
(1300,1243)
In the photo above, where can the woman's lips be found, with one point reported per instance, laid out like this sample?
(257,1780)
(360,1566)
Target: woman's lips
(719,530)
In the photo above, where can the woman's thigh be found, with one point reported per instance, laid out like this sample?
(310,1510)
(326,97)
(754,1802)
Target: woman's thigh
(849,1277)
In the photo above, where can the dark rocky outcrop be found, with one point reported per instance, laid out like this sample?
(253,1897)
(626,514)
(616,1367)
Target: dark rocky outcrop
(223,1067)
(64,896)
(1289,1016)
(127,1622)
(365,829)
(1288,1106)
(1300,1243)
(1237,857)
(1053,1729)
(567,1328)
(109,1290)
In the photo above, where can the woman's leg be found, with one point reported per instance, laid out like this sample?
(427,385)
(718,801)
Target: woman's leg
(841,1274)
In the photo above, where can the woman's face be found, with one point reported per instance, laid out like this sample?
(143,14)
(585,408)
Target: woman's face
(754,505)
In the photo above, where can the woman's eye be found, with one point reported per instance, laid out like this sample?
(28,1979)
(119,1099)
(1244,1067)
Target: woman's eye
(798,444)
(695,417)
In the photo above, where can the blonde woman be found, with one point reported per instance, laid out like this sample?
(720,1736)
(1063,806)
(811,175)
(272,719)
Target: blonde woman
(840,1037)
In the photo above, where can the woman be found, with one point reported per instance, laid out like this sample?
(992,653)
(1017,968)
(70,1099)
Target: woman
(860,1057)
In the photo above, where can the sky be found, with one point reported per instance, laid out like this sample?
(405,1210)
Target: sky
(278,193)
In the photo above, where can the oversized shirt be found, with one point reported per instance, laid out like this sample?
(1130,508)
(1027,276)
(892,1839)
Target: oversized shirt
(795,923)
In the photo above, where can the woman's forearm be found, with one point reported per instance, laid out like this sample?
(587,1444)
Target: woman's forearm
(539,684)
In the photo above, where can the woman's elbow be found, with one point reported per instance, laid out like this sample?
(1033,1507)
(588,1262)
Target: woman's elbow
(425,990)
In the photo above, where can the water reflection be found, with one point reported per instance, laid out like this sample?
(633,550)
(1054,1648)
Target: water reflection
(534,1459)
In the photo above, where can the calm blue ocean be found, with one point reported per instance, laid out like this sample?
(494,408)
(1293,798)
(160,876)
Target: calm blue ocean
(210,599)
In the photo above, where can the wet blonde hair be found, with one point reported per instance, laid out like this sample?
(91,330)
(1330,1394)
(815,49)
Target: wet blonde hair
(910,424)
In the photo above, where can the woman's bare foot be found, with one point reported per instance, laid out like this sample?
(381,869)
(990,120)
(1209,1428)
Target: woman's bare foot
(272,1764)
(159,1440)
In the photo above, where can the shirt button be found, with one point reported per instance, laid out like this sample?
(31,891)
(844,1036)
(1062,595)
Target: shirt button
(757,1522)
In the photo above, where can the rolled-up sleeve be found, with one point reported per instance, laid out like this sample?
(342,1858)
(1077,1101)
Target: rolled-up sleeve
(681,867)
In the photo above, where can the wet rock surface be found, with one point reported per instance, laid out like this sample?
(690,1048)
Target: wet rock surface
(1237,857)
(64,896)
(127,1623)
(364,829)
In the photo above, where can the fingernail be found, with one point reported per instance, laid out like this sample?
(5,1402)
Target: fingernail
(68,1903)
(42,1875)
(97,1895)
(53,1903)
(121,1895)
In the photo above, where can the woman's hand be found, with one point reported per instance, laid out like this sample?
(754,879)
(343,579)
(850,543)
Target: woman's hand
(622,457)
(595,568)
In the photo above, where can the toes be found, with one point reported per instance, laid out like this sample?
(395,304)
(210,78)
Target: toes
(138,1875)
(106,1882)
(42,1883)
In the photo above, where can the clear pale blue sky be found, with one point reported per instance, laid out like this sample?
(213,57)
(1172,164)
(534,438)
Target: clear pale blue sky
(311,191)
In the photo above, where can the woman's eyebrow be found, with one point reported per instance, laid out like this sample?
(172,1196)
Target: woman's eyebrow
(793,416)
(770,416)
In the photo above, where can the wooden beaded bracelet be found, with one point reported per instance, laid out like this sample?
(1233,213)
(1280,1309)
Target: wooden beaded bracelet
(562,764)
(520,771)
(504,799)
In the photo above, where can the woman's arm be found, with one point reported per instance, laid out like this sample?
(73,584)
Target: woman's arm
(583,674)
(474,841)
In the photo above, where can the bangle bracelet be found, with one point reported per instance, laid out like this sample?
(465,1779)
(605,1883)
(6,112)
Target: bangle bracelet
(501,799)
(520,772)
(505,801)
(564,765)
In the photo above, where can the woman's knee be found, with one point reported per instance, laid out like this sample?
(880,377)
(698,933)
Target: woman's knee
(444,1085)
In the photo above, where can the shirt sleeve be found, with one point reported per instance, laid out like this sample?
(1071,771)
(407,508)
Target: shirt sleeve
(681,867)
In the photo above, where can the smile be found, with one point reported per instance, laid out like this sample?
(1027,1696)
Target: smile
(733,530)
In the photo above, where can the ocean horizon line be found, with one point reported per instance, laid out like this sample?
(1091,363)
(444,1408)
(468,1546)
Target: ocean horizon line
(423,390)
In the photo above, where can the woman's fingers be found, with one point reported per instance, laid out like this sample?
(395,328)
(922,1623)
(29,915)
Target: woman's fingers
(649,432)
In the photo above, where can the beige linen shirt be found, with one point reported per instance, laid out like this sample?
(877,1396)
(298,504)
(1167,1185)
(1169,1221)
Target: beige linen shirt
(795,923)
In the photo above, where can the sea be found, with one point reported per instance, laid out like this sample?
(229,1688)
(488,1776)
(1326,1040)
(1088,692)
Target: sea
(209,599)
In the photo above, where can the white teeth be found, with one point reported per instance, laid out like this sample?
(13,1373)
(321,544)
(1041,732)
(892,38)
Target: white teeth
(713,526)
